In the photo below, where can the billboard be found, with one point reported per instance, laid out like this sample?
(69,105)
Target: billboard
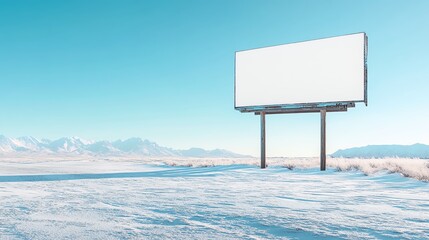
(319,72)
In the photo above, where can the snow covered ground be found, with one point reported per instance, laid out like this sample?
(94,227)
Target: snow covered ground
(135,199)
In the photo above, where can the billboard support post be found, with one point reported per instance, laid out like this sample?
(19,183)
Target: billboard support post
(263,165)
(323,140)
(316,76)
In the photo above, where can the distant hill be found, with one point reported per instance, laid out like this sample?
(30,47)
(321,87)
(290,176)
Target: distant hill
(76,145)
(380,151)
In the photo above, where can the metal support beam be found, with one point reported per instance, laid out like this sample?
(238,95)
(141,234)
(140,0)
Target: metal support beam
(338,107)
(263,165)
(341,108)
(323,140)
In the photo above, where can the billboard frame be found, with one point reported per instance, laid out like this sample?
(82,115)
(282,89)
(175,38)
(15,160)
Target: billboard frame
(319,105)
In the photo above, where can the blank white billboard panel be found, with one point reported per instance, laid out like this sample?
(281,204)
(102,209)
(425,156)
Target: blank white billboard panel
(326,70)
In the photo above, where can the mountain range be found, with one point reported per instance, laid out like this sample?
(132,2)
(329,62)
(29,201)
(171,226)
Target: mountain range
(76,145)
(380,151)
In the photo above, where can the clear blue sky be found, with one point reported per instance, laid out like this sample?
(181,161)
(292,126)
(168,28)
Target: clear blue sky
(164,70)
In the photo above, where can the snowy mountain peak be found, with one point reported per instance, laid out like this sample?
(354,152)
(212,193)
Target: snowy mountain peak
(417,150)
(77,145)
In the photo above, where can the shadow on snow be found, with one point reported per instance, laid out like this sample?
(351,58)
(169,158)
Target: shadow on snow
(172,172)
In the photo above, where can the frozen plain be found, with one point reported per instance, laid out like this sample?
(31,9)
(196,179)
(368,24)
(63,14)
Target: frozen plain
(209,199)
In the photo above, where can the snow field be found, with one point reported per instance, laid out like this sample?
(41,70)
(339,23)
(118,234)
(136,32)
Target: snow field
(111,199)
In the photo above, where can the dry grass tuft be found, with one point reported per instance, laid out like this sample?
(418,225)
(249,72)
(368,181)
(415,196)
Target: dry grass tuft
(413,168)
